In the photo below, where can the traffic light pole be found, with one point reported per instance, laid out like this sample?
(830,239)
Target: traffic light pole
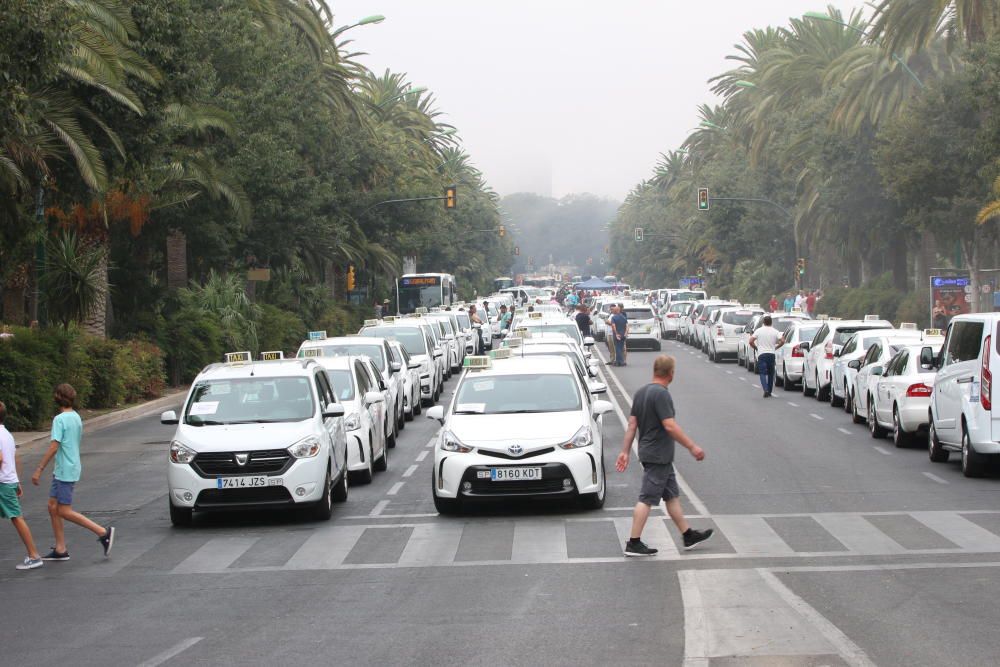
(400,201)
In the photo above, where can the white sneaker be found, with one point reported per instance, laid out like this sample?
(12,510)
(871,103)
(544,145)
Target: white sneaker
(30,563)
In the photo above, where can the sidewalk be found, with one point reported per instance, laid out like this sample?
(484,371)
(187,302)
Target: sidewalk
(173,397)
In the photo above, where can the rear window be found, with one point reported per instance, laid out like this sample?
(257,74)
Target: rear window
(687,296)
(808,333)
(964,341)
(741,319)
(783,325)
(639,313)
(680,307)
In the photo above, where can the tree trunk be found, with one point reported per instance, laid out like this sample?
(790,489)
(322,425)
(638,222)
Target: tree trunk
(177,273)
(971,251)
(898,256)
(96,322)
(13,305)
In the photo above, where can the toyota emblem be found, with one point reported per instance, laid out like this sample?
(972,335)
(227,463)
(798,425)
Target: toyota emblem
(515,450)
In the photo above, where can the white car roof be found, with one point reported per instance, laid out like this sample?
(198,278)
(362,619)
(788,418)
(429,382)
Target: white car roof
(258,369)
(517,366)
(337,363)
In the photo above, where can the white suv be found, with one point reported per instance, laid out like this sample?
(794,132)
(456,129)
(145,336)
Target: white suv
(961,412)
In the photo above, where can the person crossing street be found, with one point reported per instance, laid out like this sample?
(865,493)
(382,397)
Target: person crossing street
(766,340)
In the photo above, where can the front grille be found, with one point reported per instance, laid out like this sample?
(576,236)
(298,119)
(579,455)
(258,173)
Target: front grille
(263,462)
(551,483)
(508,457)
(265,495)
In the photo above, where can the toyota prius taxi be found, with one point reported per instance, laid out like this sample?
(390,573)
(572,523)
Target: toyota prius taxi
(520,428)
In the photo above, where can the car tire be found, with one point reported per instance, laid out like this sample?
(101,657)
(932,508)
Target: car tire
(382,462)
(973,463)
(848,403)
(390,440)
(323,510)
(778,380)
(855,417)
(365,476)
(445,506)
(408,416)
(806,391)
(935,451)
(595,501)
(401,421)
(835,401)
(339,493)
(900,438)
(874,427)
(787,384)
(181,517)
(822,395)
(418,406)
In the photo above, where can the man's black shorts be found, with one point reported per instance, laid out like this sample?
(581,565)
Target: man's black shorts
(658,481)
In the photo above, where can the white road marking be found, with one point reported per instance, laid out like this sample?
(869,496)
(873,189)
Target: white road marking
(379,506)
(742,379)
(815,416)
(845,431)
(729,372)
(882,450)
(422,455)
(794,405)
(409,471)
(395,489)
(176,649)
(931,476)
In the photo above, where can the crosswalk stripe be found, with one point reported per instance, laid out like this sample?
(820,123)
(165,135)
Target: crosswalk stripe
(857,534)
(215,555)
(326,549)
(959,530)
(656,534)
(539,542)
(432,544)
(751,535)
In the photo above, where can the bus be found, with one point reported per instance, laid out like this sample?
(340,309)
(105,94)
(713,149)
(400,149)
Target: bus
(502,283)
(427,290)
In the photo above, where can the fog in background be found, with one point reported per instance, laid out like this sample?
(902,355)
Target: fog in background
(556,97)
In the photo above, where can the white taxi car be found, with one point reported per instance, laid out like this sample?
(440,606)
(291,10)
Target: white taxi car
(789,357)
(670,317)
(415,336)
(868,369)
(728,324)
(903,393)
(780,321)
(519,427)
(410,370)
(818,366)
(255,434)
(643,327)
(356,385)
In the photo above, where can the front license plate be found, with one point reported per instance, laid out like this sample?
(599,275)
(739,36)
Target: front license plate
(251,482)
(515,474)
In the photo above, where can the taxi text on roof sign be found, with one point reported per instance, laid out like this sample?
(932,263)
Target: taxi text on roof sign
(871,318)
(272,356)
(502,353)
(238,358)
(312,352)
(317,335)
(932,332)
(370,323)
(535,315)
(908,326)
(477,363)
(514,341)
(389,319)
(421,310)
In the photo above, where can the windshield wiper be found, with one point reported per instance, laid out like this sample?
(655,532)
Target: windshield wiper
(200,422)
(467,412)
(257,421)
(522,412)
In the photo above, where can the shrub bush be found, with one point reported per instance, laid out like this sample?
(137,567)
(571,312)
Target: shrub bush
(108,386)
(343,319)
(279,329)
(140,365)
(191,339)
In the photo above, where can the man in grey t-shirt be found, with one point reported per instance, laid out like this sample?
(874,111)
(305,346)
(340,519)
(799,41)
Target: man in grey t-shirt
(653,419)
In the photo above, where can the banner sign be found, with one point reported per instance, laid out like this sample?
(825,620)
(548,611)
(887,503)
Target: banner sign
(950,296)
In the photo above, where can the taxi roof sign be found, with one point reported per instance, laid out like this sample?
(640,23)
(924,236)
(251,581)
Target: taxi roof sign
(272,356)
(752,305)
(872,318)
(421,310)
(514,341)
(317,335)
(822,316)
(933,332)
(370,323)
(536,315)
(312,352)
(909,326)
(237,358)
(477,362)
(795,310)
(502,353)
(389,318)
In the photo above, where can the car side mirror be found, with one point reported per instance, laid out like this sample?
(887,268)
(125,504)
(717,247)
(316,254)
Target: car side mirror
(395,367)
(601,407)
(437,352)
(598,388)
(588,341)
(927,358)
(333,410)
(413,365)
(836,353)
(169,417)
(436,412)
(855,364)
(804,346)
(373,397)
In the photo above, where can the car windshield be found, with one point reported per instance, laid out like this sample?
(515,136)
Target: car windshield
(741,319)
(841,336)
(639,313)
(355,350)
(508,394)
(411,338)
(343,383)
(570,329)
(250,401)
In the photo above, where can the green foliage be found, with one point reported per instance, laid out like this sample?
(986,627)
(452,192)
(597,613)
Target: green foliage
(108,385)
(225,299)
(72,283)
(191,339)
(343,319)
(280,329)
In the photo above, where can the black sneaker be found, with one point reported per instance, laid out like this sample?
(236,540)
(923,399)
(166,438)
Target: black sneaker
(693,538)
(55,555)
(108,540)
(637,548)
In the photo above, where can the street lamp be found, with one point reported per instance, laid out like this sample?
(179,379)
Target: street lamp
(820,16)
(745,84)
(368,20)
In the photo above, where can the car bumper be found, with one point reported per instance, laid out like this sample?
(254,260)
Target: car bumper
(357,452)
(793,369)
(913,414)
(187,488)
(650,340)
(723,346)
(453,471)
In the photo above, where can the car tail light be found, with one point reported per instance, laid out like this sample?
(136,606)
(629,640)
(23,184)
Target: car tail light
(797,352)
(919,390)
(719,331)
(829,350)
(986,378)
(671,316)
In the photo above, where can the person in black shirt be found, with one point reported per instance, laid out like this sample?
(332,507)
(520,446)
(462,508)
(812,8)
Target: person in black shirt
(653,419)
(583,320)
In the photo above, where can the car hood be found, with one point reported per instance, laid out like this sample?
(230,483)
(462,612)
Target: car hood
(531,431)
(244,437)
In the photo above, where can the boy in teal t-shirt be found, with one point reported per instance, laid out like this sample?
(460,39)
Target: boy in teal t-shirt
(67,432)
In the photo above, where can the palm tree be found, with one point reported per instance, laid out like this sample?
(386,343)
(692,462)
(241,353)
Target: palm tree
(914,24)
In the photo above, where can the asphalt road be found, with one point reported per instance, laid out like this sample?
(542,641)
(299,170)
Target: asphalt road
(831,549)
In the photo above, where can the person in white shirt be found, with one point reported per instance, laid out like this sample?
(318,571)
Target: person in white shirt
(766,340)
(799,298)
(10,494)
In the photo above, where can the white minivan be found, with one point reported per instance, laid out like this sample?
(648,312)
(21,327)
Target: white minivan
(961,412)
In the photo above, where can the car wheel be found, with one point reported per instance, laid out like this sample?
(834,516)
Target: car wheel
(365,476)
(806,391)
(822,394)
(323,510)
(390,440)
(408,416)
(340,488)
(445,505)
(382,462)
(785,382)
(418,405)
(848,403)
(595,501)
(973,463)
(835,401)
(181,516)
(935,451)
(900,438)
(778,380)
(873,426)
(855,417)
(401,420)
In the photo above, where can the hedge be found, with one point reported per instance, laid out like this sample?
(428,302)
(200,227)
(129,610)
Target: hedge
(105,373)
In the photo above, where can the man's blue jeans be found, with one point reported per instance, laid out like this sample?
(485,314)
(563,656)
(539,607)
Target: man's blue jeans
(765,366)
(620,351)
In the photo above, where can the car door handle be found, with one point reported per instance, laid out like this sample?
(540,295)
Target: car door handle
(967,380)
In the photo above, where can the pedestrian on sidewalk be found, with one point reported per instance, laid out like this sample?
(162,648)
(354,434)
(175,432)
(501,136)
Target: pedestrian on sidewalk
(766,340)
(67,433)
(789,303)
(619,333)
(773,303)
(583,321)
(654,420)
(10,494)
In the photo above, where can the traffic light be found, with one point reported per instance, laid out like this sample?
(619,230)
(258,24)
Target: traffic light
(350,279)
(451,197)
(701,272)
(800,265)
(703,199)
(607,250)
(638,233)
(503,231)
(517,250)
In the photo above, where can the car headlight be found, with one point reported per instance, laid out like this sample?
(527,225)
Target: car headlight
(582,438)
(450,443)
(352,421)
(181,454)
(305,448)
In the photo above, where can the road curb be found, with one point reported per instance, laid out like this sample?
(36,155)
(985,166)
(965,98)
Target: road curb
(172,398)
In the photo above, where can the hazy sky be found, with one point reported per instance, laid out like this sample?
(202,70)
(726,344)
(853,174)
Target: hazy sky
(559,96)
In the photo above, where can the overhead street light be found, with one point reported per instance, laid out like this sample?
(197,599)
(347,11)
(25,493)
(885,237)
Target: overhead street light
(368,20)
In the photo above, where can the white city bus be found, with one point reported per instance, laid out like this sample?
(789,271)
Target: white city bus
(427,290)
(502,283)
